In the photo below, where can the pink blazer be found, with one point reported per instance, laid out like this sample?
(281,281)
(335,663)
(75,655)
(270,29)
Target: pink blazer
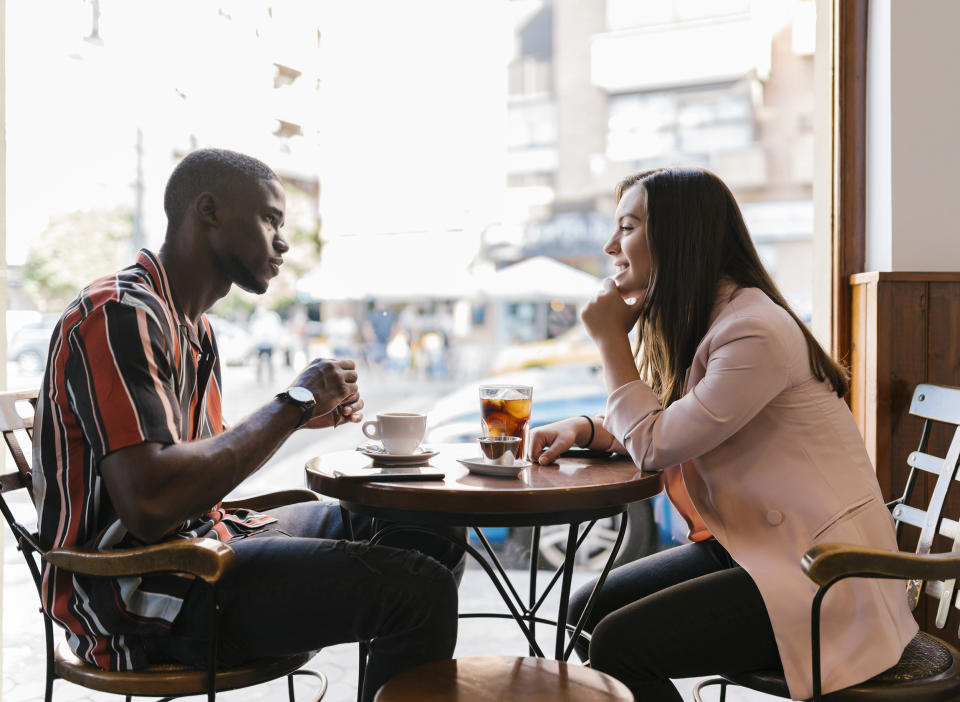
(773,463)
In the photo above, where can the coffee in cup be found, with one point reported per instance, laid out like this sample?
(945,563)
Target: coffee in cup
(495,448)
(399,432)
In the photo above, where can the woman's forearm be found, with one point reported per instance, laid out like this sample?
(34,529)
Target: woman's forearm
(619,365)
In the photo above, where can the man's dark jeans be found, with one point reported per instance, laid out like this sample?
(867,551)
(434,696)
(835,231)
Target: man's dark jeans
(300,586)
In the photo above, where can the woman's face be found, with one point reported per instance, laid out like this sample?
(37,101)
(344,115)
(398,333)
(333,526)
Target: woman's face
(628,246)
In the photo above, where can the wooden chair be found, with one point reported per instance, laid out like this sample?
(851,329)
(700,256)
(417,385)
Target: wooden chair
(206,559)
(503,679)
(929,669)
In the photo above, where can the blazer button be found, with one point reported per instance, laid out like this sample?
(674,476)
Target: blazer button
(774,517)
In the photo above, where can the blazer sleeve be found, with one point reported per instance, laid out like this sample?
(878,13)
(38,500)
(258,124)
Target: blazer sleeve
(746,367)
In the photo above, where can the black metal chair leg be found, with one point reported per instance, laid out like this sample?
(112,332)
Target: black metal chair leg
(348,525)
(565,590)
(534,568)
(362,667)
(48,636)
(214,645)
(707,683)
(318,675)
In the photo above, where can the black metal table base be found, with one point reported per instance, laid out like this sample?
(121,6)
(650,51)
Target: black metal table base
(525,614)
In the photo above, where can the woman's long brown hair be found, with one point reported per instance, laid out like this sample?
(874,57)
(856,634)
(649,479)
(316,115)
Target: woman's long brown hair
(697,236)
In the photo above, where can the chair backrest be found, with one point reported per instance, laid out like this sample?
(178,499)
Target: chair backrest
(936,404)
(16,424)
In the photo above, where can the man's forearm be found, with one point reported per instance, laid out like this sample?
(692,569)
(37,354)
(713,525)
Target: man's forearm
(156,487)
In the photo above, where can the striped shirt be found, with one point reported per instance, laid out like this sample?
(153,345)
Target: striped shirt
(125,367)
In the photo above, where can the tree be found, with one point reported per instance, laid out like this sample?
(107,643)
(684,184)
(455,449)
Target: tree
(76,248)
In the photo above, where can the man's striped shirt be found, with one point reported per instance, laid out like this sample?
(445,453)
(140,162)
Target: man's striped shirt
(125,367)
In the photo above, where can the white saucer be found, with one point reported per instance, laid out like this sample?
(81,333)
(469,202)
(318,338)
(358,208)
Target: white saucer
(480,466)
(421,454)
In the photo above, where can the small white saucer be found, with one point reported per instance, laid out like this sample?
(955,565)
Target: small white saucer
(380,456)
(480,466)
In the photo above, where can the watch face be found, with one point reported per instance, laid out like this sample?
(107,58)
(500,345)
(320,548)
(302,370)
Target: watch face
(300,394)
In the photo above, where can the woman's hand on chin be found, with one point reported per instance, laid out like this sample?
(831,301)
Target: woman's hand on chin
(609,314)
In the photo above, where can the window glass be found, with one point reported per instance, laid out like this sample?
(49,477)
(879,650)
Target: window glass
(449,170)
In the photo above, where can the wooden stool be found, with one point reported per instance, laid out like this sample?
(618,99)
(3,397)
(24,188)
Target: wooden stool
(503,679)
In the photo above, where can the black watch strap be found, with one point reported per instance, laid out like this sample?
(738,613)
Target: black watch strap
(302,398)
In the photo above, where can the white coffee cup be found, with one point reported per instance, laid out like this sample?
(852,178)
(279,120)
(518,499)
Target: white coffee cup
(399,432)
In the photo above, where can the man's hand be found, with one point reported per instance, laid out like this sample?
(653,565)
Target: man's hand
(334,387)
(347,411)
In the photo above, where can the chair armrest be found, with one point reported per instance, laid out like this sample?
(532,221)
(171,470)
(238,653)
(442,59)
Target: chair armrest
(827,563)
(258,503)
(207,559)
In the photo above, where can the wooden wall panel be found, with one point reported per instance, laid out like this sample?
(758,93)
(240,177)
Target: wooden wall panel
(906,330)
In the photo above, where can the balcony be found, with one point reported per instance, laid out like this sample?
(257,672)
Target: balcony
(678,54)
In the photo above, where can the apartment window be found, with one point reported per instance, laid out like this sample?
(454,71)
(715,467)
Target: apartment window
(675,123)
(532,124)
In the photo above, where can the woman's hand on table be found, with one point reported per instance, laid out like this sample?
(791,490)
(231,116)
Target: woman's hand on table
(550,440)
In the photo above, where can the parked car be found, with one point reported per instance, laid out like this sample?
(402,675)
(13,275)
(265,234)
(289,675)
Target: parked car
(234,341)
(559,391)
(573,346)
(30,344)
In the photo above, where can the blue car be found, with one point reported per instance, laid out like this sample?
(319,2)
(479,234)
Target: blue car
(559,391)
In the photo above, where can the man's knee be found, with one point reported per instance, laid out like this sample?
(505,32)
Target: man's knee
(439,584)
(432,601)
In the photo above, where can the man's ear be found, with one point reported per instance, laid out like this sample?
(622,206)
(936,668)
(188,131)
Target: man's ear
(206,207)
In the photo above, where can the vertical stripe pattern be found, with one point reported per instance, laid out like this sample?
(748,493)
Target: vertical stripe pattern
(125,367)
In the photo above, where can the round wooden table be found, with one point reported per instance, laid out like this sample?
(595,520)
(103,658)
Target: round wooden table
(589,488)
(572,491)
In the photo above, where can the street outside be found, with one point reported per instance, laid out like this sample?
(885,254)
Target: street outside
(22,655)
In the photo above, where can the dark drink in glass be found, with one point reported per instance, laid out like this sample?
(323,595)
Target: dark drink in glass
(505,411)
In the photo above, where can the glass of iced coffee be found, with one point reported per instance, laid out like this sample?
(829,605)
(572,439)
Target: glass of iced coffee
(505,411)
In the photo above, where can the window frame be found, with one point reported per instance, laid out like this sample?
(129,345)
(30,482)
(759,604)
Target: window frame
(848,165)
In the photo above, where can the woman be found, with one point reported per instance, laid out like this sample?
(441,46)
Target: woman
(739,406)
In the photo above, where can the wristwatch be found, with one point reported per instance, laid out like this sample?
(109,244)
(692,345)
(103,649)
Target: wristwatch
(302,398)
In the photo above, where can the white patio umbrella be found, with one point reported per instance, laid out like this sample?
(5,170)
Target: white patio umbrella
(538,279)
(401,267)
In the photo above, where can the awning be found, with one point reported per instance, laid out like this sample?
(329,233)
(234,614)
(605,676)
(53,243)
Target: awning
(407,266)
(538,279)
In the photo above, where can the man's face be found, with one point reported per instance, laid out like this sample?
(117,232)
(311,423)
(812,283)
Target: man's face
(247,245)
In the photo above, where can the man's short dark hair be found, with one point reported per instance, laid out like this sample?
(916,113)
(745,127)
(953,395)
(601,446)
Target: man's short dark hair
(209,170)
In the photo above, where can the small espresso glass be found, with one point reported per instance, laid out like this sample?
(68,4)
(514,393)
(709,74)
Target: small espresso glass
(496,448)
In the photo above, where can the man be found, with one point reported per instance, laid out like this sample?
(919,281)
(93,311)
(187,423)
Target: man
(130,448)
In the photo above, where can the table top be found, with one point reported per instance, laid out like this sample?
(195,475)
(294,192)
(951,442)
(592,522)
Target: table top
(570,485)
